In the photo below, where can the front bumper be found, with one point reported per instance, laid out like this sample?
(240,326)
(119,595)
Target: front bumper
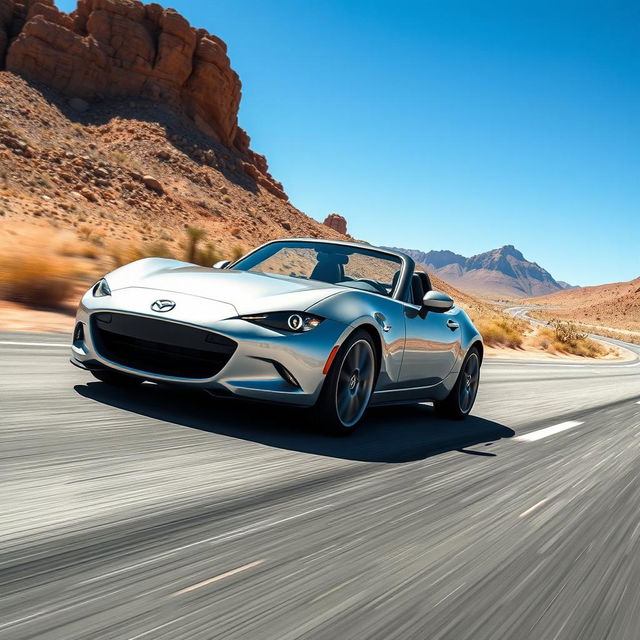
(266,365)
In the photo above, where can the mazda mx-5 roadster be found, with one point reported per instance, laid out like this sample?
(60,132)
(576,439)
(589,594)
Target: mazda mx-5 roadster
(336,326)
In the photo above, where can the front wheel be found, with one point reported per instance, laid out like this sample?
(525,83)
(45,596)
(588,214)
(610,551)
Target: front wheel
(458,404)
(348,386)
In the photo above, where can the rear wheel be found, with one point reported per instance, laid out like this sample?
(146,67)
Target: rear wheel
(458,404)
(348,386)
(116,378)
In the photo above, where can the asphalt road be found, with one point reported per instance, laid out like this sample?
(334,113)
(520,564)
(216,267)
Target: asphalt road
(158,514)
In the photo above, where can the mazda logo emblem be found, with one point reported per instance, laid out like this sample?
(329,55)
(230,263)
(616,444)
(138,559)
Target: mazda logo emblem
(163,305)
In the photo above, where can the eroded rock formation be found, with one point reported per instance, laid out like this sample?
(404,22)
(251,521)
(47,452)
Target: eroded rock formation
(123,48)
(6,15)
(336,222)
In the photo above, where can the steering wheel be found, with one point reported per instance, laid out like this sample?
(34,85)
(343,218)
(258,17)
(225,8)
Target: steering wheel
(376,285)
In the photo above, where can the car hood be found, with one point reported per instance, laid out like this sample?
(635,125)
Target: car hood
(248,292)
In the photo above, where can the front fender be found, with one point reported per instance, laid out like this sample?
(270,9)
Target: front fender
(379,315)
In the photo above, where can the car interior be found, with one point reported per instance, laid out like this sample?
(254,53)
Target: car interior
(330,267)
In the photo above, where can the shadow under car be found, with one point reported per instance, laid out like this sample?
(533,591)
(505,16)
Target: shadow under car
(387,434)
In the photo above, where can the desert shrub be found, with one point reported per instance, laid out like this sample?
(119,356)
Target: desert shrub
(118,157)
(500,330)
(237,251)
(92,234)
(587,348)
(122,253)
(560,336)
(566,332)
(78,249)
(544,339)
(156,250)
(208,256)
(36,279)
(123,159)
(194,236)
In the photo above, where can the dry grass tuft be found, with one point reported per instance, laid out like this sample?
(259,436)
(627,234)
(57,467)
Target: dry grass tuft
(497,328)
(194,236)
(237,251)
(122,253)
(500,331)
(90,233)
(37,279)
(208,256)
(78,249)
(561,336)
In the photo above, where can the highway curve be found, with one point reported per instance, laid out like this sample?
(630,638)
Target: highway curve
(161,514)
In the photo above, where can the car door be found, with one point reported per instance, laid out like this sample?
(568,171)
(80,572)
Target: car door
(431,345)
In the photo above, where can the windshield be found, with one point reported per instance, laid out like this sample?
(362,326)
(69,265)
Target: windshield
(356,267)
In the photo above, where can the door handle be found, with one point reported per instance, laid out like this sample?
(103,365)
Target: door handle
(452,324)
(382,321)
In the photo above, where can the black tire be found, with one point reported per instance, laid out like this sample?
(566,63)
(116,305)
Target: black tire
(348,386)
(116,378)
(458,404)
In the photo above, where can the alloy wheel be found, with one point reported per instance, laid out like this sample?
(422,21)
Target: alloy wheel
(355,382)
(469,383)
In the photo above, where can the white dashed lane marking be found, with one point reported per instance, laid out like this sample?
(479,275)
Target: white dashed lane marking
(548,431)
(217,578)
(532,509)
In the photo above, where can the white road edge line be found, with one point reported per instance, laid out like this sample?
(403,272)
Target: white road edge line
(549,431)
(638,402)
(36,344)
(222,576)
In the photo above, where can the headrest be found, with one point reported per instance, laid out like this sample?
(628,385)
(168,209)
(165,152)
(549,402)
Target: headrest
(334,258)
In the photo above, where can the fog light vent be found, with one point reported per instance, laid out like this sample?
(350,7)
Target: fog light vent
(78,333)
(286,374)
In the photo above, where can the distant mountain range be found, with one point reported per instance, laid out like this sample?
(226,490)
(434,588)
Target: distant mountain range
(499,273)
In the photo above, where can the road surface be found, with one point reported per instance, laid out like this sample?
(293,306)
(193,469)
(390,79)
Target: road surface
(160,514)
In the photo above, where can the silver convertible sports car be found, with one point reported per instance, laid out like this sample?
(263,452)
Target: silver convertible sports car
(336,326)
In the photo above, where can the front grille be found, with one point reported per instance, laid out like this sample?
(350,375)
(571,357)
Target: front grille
(160,347)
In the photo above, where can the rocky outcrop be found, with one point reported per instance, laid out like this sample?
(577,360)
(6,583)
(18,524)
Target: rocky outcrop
(6,15)
(123,48)
(336,222)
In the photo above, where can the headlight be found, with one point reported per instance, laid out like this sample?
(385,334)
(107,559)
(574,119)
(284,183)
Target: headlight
(291,321)
(101,289)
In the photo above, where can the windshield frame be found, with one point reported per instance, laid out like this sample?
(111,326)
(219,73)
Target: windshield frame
(407,265)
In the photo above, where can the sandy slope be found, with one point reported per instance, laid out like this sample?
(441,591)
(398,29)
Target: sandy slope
(615,305)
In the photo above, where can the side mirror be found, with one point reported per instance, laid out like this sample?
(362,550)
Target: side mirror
(437,301)
(222,264)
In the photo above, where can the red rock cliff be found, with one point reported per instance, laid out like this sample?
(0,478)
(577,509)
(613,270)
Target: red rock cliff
(123,48)
(337,222)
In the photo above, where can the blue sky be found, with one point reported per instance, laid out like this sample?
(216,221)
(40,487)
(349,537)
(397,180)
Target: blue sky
(450,124)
